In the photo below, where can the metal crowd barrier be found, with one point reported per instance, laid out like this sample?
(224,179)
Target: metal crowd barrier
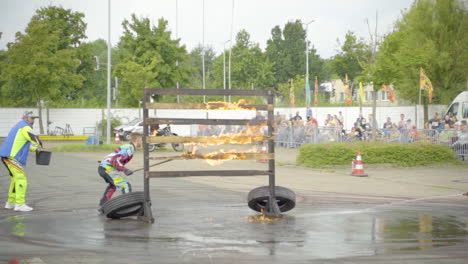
(294,136)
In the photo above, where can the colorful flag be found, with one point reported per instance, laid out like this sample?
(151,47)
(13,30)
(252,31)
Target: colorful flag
(391,94)
(307,99)
(361,93)
(425,83)
(316,91)
(291,93)
(349,98)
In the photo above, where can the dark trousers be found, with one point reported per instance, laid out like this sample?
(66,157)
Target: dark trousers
(110,189)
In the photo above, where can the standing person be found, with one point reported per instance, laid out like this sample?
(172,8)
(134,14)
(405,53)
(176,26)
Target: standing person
(14,155)
(308,113)
(341,118)
(387,127)
(401,123)
(113,165)
(434,122)
(448,121)
(359,119)
(297,117)
(371,121)
(313,121)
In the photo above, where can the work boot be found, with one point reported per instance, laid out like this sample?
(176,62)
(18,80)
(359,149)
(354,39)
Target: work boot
(23,208)
(9,205)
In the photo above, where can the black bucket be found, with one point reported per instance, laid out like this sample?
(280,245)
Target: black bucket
(43,157)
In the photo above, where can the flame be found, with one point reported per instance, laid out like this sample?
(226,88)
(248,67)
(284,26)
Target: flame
(250,135)
(217,158)
(239,105)
(263,218)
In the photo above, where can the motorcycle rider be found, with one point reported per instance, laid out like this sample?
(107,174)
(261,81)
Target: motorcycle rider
(113,165)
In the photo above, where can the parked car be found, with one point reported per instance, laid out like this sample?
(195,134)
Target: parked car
(125,130)
(166,131)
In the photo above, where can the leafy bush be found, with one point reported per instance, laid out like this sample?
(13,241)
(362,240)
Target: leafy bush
(405,155)
(103,125)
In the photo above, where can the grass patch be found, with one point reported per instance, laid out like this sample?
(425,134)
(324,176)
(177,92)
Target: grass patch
(401,155)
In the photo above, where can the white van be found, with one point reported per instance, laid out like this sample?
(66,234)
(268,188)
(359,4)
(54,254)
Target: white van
(459,106)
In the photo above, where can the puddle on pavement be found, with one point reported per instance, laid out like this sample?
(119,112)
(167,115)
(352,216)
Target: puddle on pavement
(327,234)
(420,232)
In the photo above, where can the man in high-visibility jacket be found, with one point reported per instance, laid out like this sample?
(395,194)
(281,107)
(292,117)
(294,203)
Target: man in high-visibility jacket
(14,154)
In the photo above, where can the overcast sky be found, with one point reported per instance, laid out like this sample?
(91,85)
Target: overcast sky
(333,18)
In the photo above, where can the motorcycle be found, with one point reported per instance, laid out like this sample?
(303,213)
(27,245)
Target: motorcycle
(179,147)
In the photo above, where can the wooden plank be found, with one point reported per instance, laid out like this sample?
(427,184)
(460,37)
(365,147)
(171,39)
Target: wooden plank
(209,106)
(235,92)
(219,156)
(213,140)
(184,121)
(171,174)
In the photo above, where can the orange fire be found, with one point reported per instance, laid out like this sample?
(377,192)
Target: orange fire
(263,218)
(217,158)
(249,135)
(239,105)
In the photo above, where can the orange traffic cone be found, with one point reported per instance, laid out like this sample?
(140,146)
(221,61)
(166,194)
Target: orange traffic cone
(358,166)
(263,150)
(194,150)
(117,139)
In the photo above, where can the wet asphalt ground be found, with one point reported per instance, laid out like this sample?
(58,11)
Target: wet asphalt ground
(196,222)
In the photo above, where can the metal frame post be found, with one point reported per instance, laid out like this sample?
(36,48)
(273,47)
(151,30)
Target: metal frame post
(146,215)
(272,209)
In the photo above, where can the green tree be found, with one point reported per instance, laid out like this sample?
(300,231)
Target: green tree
(147,57)
(250,66)
(432,35)
(318,67)
(286,49)
(3,97)
(352,57)
(69,25)
(196,67)
(41,65)
(93,93)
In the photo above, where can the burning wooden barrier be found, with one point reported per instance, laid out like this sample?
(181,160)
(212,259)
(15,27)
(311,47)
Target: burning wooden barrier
(262,199)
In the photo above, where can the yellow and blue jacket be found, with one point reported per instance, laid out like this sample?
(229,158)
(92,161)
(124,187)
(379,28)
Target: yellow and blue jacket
(18,143)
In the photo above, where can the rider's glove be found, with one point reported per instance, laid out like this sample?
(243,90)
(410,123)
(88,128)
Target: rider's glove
(128,172)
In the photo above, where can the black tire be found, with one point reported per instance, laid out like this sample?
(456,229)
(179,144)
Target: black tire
(126,136)
(179,147)
(258,198)
(124,205)
(151,147)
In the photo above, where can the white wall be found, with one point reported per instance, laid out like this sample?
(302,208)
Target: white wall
(79,118)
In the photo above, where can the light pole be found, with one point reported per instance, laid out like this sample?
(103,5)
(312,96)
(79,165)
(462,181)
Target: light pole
(203,51)
(307,85)
(109,74)
(230,47)
(224,66)
(177,36)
